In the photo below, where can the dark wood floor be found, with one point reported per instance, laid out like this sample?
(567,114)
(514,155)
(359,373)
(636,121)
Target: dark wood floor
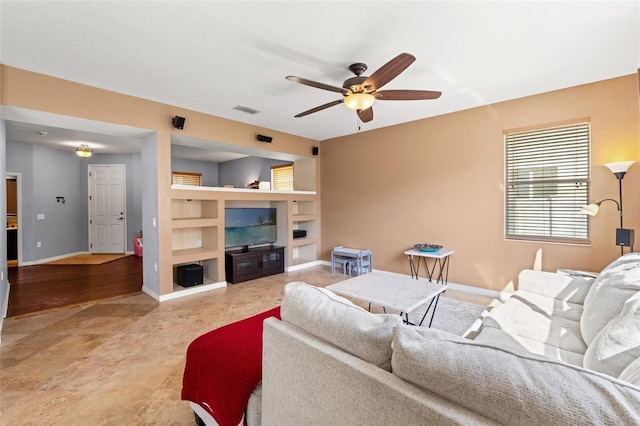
(43,287)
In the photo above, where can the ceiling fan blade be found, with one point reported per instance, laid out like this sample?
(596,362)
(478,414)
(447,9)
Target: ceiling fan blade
(366,115)
(389,71)
(319,108)
(315,84)
(406,95)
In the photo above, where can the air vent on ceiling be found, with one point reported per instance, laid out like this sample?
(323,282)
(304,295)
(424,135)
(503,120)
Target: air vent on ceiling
(246,109)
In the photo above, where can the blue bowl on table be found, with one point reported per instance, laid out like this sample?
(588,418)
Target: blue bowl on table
(427,248)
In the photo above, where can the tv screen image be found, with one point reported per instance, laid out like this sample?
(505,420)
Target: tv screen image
(249,226)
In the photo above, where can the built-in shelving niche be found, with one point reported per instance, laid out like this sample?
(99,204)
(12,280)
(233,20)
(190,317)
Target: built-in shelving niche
(198,212)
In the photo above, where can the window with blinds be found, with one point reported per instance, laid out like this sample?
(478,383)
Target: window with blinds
(186,178)
(282,177)
(547,181)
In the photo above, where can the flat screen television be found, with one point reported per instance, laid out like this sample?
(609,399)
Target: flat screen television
(246,227)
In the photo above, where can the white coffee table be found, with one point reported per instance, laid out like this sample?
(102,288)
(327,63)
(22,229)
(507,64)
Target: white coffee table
(390,290)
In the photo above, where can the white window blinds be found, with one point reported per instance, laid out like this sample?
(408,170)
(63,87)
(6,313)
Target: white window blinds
(547,181)
(186,178)
(282,177)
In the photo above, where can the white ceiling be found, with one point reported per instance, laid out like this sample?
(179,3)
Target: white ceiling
(211,56)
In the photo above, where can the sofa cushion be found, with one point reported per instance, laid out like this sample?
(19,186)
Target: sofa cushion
(499,338)
(558,286)
(550,306)
(340,322)
(615,284)
(524,318)
(618,344)
(508,387)
(631,374)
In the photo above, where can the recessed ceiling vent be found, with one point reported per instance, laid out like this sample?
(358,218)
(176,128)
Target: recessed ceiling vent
(246,109)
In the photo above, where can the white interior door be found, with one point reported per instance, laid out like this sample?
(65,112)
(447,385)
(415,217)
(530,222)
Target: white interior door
(107,209)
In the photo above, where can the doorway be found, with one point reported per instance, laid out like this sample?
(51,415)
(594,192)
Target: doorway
(107,208)
(14,230)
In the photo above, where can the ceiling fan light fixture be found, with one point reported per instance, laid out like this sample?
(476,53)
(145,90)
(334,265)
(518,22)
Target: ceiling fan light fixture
(360,92)
(84,151)
(359,101)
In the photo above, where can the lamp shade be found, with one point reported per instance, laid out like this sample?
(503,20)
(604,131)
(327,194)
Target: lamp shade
(358,101)
(590,209)
(619,166)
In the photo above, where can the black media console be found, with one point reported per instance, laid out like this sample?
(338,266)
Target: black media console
(252,263)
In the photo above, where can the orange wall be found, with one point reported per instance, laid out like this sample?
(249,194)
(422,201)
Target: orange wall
(25,89)
(440,180)
(39,92)
(436,180)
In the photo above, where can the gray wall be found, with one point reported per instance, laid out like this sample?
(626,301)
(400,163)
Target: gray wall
(64,228)
(47,173)
(20,159)
(149,197)
(209,170)
(243,171)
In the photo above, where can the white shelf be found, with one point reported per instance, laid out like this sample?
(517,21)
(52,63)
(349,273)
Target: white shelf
(194,255)
(240,190)
(197,218)
(200,222)
(297,242)
(303,217)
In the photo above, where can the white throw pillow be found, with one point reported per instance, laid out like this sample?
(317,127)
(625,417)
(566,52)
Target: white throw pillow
(618,343)
(615,284)
(631,374)
(341,323)
(509,388)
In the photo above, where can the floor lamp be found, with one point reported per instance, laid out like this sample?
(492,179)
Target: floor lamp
(624,237)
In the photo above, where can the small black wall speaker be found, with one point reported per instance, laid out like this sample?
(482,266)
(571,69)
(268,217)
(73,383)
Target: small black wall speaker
(315,150)
(263,138)
(178,122)
(624,237)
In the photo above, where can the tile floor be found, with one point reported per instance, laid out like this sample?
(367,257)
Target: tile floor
(120,361)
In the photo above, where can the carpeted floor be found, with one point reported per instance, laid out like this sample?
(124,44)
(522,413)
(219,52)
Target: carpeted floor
(87,259)
(453,316)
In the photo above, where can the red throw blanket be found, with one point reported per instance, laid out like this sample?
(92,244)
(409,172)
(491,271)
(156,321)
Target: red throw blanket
(224,366)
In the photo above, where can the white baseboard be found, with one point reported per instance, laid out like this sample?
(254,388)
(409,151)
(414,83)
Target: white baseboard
(453,286)
(475,290)
(54,258)
(305,265)
(151,293)
(183,291)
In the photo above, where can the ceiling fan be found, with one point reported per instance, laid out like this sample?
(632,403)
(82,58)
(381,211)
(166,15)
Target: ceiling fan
(360,92)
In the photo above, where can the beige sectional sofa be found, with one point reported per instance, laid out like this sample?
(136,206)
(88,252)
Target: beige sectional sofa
(563,349)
